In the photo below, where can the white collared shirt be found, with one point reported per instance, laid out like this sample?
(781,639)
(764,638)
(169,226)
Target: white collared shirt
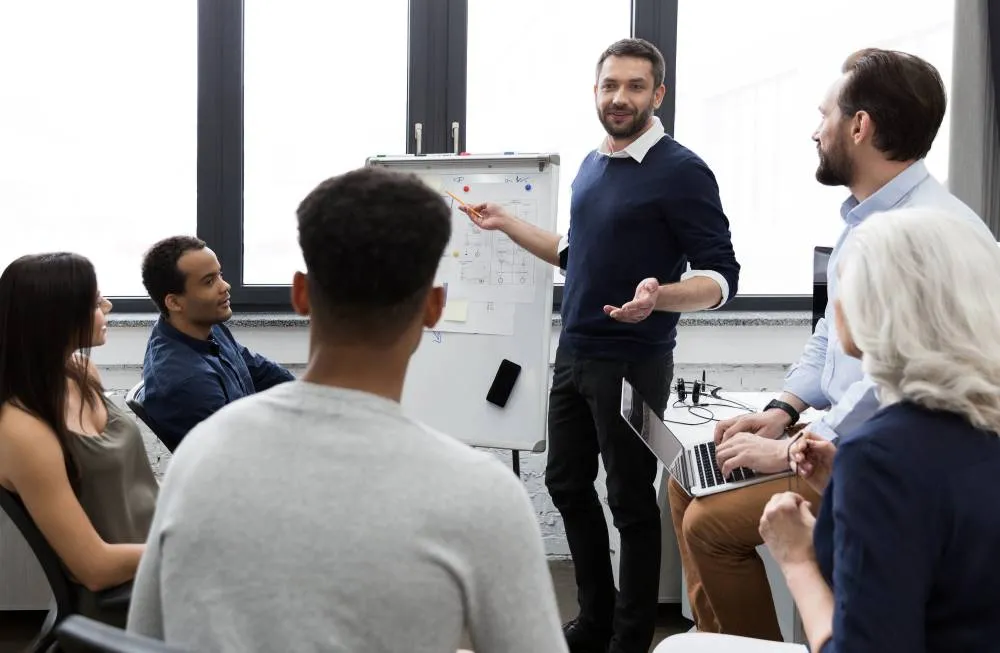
(638,148)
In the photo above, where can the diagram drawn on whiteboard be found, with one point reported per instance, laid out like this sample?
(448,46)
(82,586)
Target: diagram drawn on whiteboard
(491,258)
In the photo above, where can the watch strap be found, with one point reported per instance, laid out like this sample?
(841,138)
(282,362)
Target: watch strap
(786,407)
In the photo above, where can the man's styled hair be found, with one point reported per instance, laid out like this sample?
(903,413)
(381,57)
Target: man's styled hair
(372,241)
(916,290)
(639,49)
(160,274)
(902,93)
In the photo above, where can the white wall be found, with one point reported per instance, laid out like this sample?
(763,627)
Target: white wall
(748,352)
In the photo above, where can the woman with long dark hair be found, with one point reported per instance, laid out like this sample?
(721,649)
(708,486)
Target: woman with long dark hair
(75,459)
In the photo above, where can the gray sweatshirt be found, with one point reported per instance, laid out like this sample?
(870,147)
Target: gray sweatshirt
(311,518)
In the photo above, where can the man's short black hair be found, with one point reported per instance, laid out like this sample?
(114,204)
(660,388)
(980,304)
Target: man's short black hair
(638,49)
(903,94)
(372,241)
(160,274)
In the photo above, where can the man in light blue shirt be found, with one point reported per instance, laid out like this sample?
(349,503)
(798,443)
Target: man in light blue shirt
(825,377)
(878,122)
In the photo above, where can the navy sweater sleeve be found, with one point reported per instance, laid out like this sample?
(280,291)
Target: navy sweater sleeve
(883,513)
(699,223)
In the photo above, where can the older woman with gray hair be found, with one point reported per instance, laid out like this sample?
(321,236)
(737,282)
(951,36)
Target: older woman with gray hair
(903,553)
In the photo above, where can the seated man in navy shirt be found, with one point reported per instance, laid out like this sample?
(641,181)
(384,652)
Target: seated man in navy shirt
(193,364)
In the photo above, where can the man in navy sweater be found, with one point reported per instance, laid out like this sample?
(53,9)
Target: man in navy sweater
(193,364)
(643,207)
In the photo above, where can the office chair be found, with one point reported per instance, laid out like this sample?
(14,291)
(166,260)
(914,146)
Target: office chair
(821,260)
(82,635)
(133,399)
(64,592)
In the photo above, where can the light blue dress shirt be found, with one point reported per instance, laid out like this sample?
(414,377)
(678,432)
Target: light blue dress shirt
(825,377)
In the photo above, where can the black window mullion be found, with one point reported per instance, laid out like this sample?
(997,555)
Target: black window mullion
(656,21)
(437,68)
(220,134)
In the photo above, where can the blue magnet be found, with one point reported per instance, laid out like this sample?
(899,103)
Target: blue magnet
(527,187)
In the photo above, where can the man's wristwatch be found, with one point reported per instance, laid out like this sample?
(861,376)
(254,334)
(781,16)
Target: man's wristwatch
(788,408)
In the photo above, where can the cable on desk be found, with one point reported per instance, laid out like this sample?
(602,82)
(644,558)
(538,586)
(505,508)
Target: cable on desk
(707,415)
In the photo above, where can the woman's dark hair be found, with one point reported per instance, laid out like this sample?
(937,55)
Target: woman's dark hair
(47,304)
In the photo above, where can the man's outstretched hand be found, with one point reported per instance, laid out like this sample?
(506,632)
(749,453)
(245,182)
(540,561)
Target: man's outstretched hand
(641,306)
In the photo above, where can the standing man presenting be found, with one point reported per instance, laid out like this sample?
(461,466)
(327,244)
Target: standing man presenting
(643,207)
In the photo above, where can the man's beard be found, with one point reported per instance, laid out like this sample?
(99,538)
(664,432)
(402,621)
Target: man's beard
(835,168)
(629,129)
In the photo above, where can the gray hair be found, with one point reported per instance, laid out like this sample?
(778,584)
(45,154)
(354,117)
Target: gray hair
(918,293)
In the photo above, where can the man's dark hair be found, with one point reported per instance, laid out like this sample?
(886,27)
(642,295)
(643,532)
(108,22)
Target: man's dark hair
(372,241)
(160,274)
(904,96)
(639,49)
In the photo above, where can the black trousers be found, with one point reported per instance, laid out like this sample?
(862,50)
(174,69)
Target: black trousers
(584,422)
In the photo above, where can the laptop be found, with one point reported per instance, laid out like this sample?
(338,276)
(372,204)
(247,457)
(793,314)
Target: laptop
(694,467)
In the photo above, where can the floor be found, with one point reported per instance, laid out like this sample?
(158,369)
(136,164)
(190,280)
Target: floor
(17,628)
(669,622)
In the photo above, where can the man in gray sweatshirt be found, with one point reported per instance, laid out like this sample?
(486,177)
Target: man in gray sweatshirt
(316,516)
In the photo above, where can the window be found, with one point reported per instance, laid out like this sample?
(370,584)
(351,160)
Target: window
(98,133)
(531,73)
(325,88)
(747,104)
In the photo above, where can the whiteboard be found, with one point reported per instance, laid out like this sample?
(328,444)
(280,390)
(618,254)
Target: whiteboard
(499,303)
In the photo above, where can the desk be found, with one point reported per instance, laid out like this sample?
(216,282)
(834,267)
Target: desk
(699,430)
(672,586)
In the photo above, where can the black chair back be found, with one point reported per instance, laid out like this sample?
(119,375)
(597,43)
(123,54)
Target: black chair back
(62,591)
(821,261)
(82,635)
(134,399)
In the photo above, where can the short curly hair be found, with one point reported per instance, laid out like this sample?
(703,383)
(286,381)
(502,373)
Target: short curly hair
(160,274)
(372,241)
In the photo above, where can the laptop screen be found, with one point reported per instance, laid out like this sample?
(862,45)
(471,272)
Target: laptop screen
(648,426)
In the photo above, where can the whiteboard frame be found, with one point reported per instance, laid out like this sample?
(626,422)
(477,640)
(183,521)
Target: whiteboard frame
(445,163)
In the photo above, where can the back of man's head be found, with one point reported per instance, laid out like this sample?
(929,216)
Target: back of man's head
(372,241)
(903,94)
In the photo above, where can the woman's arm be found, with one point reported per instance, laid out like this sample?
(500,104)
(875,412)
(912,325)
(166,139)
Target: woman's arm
(813,599)
(33,463)
(787,526)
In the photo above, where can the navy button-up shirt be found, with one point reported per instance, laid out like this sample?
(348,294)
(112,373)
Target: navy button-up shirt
(186,379)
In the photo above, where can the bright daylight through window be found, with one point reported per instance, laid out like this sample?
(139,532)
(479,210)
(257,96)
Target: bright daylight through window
(324,91)
(750,76)
(98,139)
(539,98)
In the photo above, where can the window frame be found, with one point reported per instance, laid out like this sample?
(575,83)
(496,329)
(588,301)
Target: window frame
(436,98)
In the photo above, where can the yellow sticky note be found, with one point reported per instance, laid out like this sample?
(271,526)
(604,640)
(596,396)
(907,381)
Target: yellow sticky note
(457,310)
(434,181)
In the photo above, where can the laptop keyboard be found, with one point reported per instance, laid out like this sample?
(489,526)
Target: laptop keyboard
(708,467)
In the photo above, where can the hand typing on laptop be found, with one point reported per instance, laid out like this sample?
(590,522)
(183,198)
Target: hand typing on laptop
(761,454)
(768,424)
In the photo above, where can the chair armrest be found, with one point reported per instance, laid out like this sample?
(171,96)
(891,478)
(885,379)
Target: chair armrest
(115,597)
(77,633)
